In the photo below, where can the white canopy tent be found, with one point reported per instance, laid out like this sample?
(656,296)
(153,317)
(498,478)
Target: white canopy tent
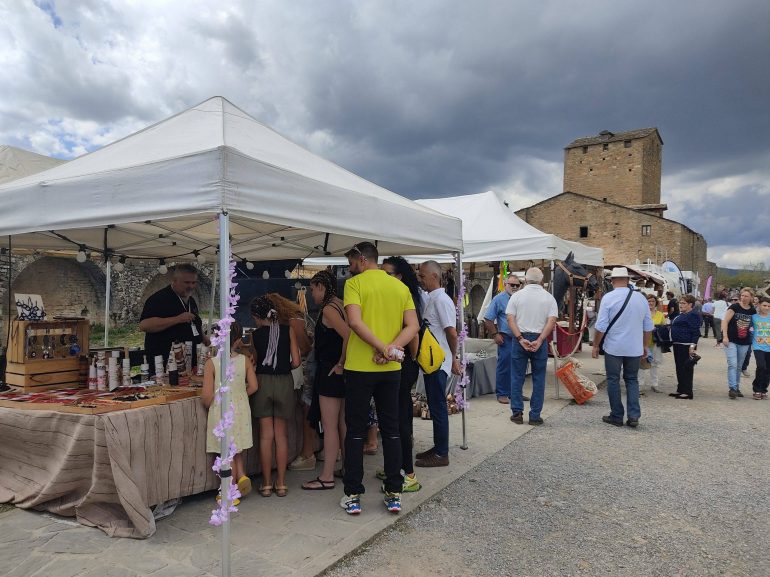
(492,232)
(154,195)
(213,178)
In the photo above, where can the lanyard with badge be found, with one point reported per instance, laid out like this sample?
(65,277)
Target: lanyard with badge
(187,309)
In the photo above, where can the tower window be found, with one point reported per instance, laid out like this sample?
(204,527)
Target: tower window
(627,144)
(585,150)
(583,232)
(646,229)
(605,146)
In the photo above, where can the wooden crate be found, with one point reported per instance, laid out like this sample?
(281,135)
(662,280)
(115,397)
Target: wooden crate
(62,373)
(31,373)
(16,344)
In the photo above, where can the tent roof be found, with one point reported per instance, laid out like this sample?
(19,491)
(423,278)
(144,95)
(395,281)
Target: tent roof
(155,192)
(16,163)
(492,232)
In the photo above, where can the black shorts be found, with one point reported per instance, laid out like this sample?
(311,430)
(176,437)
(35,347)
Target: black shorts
(329,385)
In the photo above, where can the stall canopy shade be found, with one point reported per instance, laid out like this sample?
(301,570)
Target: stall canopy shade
(154,194)
(492,232)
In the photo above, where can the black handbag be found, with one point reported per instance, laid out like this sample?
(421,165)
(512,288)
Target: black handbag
(612,322)
(661,336)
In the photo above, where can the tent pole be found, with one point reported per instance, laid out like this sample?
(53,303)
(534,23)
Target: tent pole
(107,290)
(553,334)
(213,292)
(224,362)
(461,325)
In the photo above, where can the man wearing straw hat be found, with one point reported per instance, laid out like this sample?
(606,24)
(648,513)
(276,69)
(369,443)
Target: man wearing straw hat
(623,326)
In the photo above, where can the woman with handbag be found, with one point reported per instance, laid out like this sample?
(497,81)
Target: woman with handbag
(685,332)
(653,347)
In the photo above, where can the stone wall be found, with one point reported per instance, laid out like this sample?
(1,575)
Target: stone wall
(625,173)
(78,289)
(618,230)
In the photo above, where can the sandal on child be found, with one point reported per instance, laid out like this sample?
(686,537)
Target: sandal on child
(318,484)
(281,490)
(266,490)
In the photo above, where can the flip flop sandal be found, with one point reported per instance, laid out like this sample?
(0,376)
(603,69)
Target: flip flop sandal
(266,490)
(320,485)
(370,451)
(281,490)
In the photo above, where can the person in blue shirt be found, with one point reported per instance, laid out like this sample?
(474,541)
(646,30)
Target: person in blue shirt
(760,322)
(685,332)
(496,324)
(623,345)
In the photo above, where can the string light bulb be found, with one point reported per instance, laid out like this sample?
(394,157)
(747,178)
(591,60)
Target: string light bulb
(249,265)
(120,265)
(81,256)
(287,273)
(162,268)
(265,275)
(201,258)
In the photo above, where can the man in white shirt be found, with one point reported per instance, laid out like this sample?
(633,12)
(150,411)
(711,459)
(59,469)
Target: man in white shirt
(624,339)
(720,308)
(531,313)
(439,311)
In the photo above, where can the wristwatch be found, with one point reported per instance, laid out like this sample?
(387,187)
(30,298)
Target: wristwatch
(519,337)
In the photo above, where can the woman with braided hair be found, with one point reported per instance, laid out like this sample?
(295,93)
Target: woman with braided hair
(331,337)
(290,313)
(273,404)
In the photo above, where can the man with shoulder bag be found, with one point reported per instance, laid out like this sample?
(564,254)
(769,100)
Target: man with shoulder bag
(623,326)
(439,312)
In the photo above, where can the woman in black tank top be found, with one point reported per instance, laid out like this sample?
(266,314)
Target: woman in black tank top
(331,336)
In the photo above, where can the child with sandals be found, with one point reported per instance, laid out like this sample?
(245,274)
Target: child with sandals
(244,384)
(278,353)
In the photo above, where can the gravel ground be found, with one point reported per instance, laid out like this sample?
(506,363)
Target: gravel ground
(684,494)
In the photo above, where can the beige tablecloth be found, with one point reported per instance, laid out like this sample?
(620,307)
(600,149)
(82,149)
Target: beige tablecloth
(109,470)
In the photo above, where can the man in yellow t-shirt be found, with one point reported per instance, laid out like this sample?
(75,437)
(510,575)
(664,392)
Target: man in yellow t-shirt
(381,315)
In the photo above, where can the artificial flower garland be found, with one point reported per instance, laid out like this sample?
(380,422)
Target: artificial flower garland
(221,338)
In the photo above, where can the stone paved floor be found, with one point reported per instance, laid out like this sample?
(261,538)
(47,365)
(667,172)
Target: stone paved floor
(300,535)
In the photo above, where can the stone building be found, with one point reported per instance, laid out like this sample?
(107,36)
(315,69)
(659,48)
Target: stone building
(612,200)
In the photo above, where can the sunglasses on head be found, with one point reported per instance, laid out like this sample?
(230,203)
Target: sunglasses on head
(355,248)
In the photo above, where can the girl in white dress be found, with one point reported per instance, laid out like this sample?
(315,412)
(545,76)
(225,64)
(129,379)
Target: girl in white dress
(244,384)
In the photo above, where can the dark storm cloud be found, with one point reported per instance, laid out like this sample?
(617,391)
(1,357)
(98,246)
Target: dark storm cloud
(428,98)
(488,82)
(738,220)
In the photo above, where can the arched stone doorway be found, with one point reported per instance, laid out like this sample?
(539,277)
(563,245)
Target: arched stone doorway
(68,288)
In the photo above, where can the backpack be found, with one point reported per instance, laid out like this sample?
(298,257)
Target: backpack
(430,355)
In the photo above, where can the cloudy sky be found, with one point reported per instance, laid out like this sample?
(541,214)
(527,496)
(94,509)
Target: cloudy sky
(429,98)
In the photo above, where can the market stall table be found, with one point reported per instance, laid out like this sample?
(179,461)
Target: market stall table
(109,470)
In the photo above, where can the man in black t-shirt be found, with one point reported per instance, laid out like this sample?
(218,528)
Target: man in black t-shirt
(171,314)
(673,306)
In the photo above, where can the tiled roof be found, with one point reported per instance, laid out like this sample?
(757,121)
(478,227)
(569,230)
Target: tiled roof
(607,136)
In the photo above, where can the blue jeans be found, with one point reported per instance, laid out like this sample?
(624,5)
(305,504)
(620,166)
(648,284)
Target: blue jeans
(503,374)
(735,354)
(630,367)
(435,390)
(538,361)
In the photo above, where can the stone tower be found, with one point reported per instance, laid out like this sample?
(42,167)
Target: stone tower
(623,168)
